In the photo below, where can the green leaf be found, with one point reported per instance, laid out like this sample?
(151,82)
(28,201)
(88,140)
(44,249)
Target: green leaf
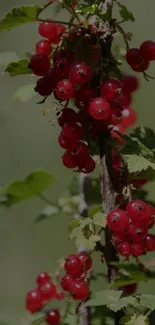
(138,320)
(125,13)
(145,135)
(148,301)
(39,180)
(99,219)
(127,274)
(87,9)
(134,146)
(136,163)
(76,232)
(85,222)
(19,16)
(94,210)
(18,68)
(122,303)
(105,297)
(24,93)
(87,243)
(73,225)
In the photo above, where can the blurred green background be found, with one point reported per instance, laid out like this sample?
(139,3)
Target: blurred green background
(29,142)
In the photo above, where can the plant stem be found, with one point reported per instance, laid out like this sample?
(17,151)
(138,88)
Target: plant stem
(45,199)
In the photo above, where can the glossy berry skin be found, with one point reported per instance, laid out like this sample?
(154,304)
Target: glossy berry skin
(129,289)
(73,266)
(72,132)
(137,249)
(79,290)
(137,210)
(124,249)
(69,159)
(99,109)
(118,220)
(111,89)
(80,150)
(44,87)
(118,128)
(53,317)
(125,99)
(150,243)
(68,115)
(34,300)
(147,50)
(115,117)
(48,291)
(134,58)
(151,213)
(66,281)
(64,89)
(129,117)
(57,37)
(39,64)
(44,47)
(142,67)
(130,84)
(65,144)
(85,260)
(118,238)
(43,278)
(88,166)
(47,29)
(80,74)
(136,233)
(62,54)
(61,68)
(60,295)
(83,96)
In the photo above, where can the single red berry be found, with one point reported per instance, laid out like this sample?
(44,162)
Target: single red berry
(68,115)
(124,249)
(130,84)
(48,291)
(39,64)
(110,90)
(137,249)
(66,281)
(115,117)
(61,68)
(44,47)
(64,89)
(73,266)
(80,74)
(125,99)
(99,109)
(118,220)
(137,210)
(47,29)
(83,96)
(85,260)
(69,159)
(88,166)
(118,238)
(34,300)
(151,213)
(43,278)
(150,243)
(142,67)
(129,289)
(44,87)
(80,150)
(129,117)
(60,295)
(57,37)
(66,144)
(137,233)
(147,50)
(134,58)
(79,290)
(118,128)
(53,317)
(72,131)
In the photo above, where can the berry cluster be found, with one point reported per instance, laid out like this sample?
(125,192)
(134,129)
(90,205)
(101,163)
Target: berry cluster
(130,228)
(45,292)
(73,281)
(139,59)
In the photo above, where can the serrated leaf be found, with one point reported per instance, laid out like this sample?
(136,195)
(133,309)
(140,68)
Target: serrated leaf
(122,303)
(24,93)
(105,297)
(138,320)
(87,243)
(94,210)
(148,301)
(73,225)
(136,163)
(125,13)
(18,68)
(145,135)
(85,222)
(19,16)
(99,219)
(134,146)
(76,232)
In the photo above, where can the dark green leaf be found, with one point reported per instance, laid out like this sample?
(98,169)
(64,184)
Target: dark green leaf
(135,146)
(148,301)
(127,274)
(39,180)
(73,224)
(18,68)
(19,16)
(145,135)
(125,13)
(105,297)
(136,163)
(94,210)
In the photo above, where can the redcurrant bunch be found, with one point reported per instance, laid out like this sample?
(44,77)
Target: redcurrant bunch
(139,59)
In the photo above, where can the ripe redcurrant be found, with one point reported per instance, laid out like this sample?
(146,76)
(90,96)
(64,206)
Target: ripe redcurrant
(83,96)
(34,300)
(147,50)
(66,281)
(68,115)
(47,29)
(43,278)
(130,84)
(137,210)
(110,90)
(64,89)
(79,290)
(53,317)
(73,266)
(99,109)
(88,166)
(118,220)
(136,233)
(124,249)
(39,64)
(72,131)
(69,159)
(44,47)
(118,238)
(48,291)
(80,73)
(44,87)
(134,58)
(85,260)
(150,243)
(137,249)
(129,117)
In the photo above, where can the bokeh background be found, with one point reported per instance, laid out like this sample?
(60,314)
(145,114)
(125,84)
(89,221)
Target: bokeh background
(28,142)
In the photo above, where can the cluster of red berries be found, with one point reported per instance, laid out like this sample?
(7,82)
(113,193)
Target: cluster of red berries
(73,281)
(130,228)
(139,59)
(45,292)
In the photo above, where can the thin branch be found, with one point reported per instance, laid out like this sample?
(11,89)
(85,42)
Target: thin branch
(45,199)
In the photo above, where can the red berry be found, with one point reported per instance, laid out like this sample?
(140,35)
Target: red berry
(142,67)
(129,289)
(99,109)
(137,210)
(79,290)
(44,47)
(53,317)
(61,68)
(118,220)
(72,132)
(80,150)
(88,166)
(66,281)
(60,295)
(48,291)
(66,144)
(85,260)
(138,182)
(43,278)
(68,115)
(116,161)
(73,266)
(40,64)
(118,128)
(151,213)
(80,73)
(136,233)
(69,159)
(47,29)
(110,90)
(115,117)
(137,249)
(147,50)
(134,58)
(64,89)
(150,243)
(34,300)
(63,54)
(124,249)
(57,37)
(118,238)
(125,99)
(83,96)
(130,84)
(129,117)
(44,87)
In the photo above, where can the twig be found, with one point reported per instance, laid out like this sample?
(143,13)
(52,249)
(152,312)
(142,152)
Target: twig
(45,199)
(121,30)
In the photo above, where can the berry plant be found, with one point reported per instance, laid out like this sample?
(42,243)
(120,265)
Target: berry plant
(75,67)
